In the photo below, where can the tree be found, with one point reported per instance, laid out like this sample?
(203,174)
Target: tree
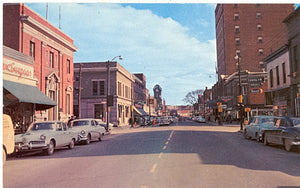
(192,96)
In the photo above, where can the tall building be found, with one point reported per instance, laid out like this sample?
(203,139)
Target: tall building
(51,51)
(248,30)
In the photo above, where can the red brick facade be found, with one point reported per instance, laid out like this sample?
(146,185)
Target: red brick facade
(27,32)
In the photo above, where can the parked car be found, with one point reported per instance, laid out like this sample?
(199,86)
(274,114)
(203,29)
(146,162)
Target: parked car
(200,119)
(47,136)
(8,136)
(87,130)
(103,124)
(164,120)
(286,132)
(256,125)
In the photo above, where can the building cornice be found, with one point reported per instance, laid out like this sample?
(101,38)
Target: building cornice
(31,21)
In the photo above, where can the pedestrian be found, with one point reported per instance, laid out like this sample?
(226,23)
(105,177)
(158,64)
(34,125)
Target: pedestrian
(130,122)
(70,120)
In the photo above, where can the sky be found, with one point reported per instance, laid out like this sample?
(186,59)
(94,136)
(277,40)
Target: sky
(173,45)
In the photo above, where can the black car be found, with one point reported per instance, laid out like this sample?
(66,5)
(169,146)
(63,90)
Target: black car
(286,132)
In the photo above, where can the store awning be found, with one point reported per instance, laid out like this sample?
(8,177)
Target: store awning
(140,111)
(17,92)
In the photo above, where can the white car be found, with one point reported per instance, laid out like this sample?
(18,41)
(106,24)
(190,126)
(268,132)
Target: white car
(87,130)
(164,120)
(200,119)
(45,136)
(103,124)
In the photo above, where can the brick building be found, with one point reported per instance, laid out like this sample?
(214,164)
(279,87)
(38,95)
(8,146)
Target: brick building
(92,78)
(52,51)
(250,32)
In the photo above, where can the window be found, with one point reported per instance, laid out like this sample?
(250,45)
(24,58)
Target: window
(277,75)
(102,88)
(261,51)
(237,29)
(236,16)
(258,15)
(259,39)
(237,41)
(51,60)
(235,5)
(32,49)
(238,53)
(119,88)
(296,57)
(259,27)
(68,66)
(271,78)
(95,87)
(283,73)
(68,103)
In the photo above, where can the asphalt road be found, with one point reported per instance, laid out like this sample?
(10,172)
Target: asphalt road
(186,154)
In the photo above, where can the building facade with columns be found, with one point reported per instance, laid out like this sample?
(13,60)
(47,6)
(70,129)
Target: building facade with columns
(52,52)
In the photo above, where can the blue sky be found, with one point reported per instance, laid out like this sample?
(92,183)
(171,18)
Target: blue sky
(172,44)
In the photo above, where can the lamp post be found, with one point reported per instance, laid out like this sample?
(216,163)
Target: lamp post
(109,98)
(240,96)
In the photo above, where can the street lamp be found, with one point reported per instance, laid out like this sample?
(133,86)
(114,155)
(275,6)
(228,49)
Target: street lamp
(109,98)
(240,96)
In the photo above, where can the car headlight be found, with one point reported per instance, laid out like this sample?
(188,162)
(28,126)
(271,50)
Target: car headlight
(43,137)
(82,132)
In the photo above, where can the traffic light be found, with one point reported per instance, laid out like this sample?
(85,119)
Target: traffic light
(240,99)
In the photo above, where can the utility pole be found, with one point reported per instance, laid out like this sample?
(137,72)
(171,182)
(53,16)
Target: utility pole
(79,92)
(240,96)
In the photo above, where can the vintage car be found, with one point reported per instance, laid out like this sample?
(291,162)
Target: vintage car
(256,125)
(45,136)
(87,130)
(8,136)
(200,119)
(286,132)
(164,120)
(103,124)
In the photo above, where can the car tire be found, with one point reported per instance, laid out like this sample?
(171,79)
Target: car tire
(50,149)
(266,140)
(245,134)
(88,140)
(287,144)
(100,137)
(257,137)
(72,144)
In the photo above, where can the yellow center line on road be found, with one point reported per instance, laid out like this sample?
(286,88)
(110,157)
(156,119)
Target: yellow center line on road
(165,147)
(153,168)
(167,143)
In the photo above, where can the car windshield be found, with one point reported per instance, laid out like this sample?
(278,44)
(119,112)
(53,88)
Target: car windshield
(296,122)
(267,120)
(79,123)
(42,126)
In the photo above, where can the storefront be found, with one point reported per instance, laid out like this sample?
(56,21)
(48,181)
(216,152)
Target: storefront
(21,98)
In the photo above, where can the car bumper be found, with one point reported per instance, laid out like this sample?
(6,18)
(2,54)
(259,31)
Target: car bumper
(81,138)
(31,146)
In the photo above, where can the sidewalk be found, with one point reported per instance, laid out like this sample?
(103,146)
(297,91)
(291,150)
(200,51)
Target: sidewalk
(233,124)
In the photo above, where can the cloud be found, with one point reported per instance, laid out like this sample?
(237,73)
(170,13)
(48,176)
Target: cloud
(161,48)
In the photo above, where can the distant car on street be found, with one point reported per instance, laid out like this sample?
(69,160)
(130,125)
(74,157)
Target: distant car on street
(200,119)
(164,120)
(47,136)
(257,124)
(103,124)
(286,132)
(87,130)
